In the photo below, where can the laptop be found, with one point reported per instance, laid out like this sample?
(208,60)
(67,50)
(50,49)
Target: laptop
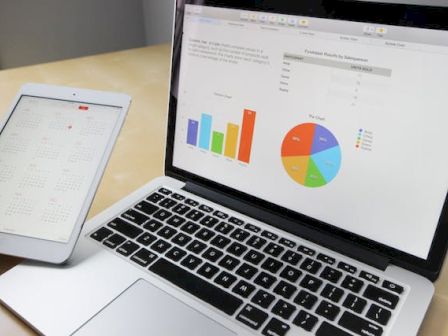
(305,188)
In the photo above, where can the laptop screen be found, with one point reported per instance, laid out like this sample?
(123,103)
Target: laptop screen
(340,121)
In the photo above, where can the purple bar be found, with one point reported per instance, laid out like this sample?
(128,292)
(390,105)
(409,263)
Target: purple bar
(192,135)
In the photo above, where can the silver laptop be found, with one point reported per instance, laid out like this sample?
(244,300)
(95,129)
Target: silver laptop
(305,186)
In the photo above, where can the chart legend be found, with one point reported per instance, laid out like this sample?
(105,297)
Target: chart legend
(311,155)
(235,143)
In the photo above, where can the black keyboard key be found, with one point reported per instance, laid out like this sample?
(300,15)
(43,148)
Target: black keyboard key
(254,257)
(191,202)
(333,293)
(243,288)
(165,191)
(256,242)
(252,317)
(354,303)
(220,214)
(271,265)
(246,271)
(291,257)
(160,246)
(305,299)
(269,235)
(176,221)
(190,227)
(101,234)
(153,225)
(359,325)
(114,241)
(275,327)
(208,270)
(212,254)
(331,274)
(287,243)
(125,228)
(326,259)
(263,299)
(146,239)
(392,287)
(306,250)
(305,320)
(290,273)
(283,309)
(224,228)
(205,234)
(191,283)
(205,208)
(194,215)
(229,262)
(240,235)
(265,280)
(196,246)
(209,221)
(236,249)
(178,197)
(176,254)
(369,277)
(191,262)
(156,197)
(252,228)
(274,249)
(236,221)
(162,214)
(311,265)
(225,279)
(352,284)
(181,209)
(167,203)
(346,267)
(181,239)
(166,232)
(143,257)
(127,248)
(220,241)
(311,283)
(135,217)
(327,329)
(146,207)
(380,296)
(285,289)
(328,310)
(379,314)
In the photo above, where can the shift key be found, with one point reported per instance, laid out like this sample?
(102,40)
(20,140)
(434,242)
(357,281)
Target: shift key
(125,228)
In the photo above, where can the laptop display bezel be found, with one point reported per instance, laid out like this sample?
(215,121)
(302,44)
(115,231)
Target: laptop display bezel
(392,14)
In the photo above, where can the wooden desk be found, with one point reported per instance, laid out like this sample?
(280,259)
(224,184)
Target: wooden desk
(138,156)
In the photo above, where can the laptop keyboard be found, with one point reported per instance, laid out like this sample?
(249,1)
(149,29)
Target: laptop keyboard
(266,282)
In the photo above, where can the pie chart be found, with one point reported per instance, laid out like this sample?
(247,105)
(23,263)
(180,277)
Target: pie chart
(311,155)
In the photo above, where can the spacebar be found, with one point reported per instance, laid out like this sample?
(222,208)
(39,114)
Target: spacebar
(196,286)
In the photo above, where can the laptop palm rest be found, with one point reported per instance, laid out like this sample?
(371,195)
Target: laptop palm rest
(144,309)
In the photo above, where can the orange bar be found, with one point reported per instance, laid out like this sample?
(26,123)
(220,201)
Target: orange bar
(247,133)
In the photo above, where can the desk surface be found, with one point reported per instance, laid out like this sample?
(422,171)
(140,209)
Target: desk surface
(143,74)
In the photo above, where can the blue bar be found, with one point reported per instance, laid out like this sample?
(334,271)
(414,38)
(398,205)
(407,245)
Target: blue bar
(205,132)
(192,135)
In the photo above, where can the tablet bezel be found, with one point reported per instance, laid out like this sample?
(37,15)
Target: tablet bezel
(47,250)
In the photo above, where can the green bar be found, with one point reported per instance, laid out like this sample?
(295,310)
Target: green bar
(217,141)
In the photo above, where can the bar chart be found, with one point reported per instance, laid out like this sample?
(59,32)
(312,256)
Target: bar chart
(234,143)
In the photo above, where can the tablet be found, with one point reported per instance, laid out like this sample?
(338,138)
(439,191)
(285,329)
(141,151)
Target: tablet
(54,146)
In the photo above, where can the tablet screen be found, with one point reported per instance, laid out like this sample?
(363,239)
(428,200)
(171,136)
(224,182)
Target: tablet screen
(49,155)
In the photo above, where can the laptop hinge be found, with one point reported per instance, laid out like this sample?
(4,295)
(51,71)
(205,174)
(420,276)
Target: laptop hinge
(332,242)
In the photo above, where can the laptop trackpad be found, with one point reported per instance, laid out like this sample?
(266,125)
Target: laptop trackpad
(144,309)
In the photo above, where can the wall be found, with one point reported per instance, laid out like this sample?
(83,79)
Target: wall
(158,20)
(46,30)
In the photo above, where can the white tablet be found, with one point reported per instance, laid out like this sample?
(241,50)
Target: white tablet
(54,146)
